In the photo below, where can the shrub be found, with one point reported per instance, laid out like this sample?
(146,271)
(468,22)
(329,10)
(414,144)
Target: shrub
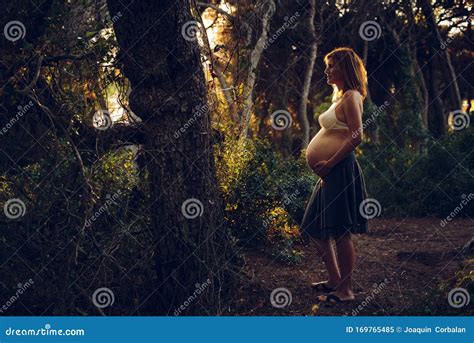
(265,194)
(432,182)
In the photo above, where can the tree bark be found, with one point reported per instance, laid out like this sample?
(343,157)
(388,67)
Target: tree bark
(193,247)
(255,57)
(303,116)
(439,127)
(422,87)
(446,66)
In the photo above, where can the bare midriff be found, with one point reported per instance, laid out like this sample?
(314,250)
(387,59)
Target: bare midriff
(325,144)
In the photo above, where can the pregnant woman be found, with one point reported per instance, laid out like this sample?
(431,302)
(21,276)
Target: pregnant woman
(333,209)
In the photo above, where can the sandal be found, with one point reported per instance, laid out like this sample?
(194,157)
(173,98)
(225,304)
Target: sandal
(321,287)
(333,298)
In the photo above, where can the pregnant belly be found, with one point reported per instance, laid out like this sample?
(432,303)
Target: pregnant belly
(324,145)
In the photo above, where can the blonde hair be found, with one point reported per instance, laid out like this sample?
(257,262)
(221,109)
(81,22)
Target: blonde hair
(353,69)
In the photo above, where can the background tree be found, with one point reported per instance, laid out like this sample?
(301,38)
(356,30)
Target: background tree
(192,241)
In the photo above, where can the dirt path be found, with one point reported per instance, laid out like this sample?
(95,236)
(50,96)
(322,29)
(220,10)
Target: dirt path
(400,264)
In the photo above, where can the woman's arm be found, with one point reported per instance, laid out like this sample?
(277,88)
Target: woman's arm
(351,106)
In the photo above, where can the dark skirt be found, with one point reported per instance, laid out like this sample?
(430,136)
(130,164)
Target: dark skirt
(333,208)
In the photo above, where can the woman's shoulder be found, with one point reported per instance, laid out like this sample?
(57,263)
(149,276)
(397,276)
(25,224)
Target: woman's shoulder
(352,93)
(352,99)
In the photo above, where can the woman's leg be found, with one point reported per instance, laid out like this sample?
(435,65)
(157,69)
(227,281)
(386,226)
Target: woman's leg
(328,255)
(347,258)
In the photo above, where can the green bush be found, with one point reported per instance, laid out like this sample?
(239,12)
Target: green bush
(71,241)
(432,182)
(259,185)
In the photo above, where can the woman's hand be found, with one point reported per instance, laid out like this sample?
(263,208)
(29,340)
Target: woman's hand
(322,168)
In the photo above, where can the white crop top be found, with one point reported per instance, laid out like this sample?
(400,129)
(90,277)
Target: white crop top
(328,119)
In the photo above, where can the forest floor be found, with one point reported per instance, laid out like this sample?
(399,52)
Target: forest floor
(400,266)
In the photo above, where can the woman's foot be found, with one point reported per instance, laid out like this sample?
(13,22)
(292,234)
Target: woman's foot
(325,286)
(337,296)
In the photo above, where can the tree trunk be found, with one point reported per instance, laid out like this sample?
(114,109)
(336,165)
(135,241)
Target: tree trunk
(446,64)
(193,248)
(437,107)
(255,57)
(287,134)
(422,87)
(303,116)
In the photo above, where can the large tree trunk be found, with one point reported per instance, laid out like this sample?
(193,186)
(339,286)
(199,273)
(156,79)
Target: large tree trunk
(168,91)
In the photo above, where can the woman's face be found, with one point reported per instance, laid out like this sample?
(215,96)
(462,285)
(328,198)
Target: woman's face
(333,73)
